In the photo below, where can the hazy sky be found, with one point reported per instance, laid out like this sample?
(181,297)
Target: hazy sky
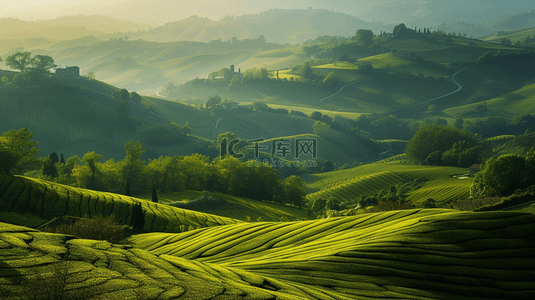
(159,11)
(162,11)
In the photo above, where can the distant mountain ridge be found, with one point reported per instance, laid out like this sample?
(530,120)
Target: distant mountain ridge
(277,25)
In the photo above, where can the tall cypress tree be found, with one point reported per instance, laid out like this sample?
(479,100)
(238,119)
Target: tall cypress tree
(137,221)
(154,194)
(127,188)
(50,169)
(62,160)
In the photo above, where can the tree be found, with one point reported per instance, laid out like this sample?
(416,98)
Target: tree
(400,30)
(132,166)
(366,68)
(458,123)
(127,188)
(506,41)
(88,175)
(365,37)
(294,190)
(261,39)
(43,63)
(213,102)
(318,205)
(135,97)
(50,168)
(321,129)
(137,220)
(306,70)
(91,75)
(331,80)
(316,115)
(18,152)
(501,176)
(260,106)
(327,166)
(18,61)
(154,194)
(226,73)
(123,109)
(432,138)
(333,204)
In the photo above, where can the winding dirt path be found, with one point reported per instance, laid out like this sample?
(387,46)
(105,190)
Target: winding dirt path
(459,87)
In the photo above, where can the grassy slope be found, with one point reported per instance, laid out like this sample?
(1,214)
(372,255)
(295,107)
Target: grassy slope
(435,48)
(416,254)
(517,102)
(235,207)
(347,185)
(46,200)
(74,120)
(514,36)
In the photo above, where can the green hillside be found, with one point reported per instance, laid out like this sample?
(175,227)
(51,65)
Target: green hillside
(416,254)
(234,207)
(444,49)
(348,185)
(45,200)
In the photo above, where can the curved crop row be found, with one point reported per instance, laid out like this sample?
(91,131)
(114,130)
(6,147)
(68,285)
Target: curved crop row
(47,200)
(417,254)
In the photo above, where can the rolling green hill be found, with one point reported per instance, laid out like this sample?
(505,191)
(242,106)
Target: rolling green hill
(234,207)
(347,185)
(45,200)
(417,254)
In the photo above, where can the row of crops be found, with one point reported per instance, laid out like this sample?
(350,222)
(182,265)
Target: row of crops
(348,185)
(416,254)
(46,200)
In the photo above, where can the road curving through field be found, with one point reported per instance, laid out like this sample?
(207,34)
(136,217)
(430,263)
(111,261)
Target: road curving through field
(351,83)
(459,88)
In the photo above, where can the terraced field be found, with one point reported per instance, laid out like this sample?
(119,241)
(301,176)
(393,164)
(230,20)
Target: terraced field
(347,185)
(236,207)
(46,200)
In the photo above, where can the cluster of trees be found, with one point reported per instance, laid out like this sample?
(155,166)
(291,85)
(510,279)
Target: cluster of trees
(160,134)
(443,145)
(33,70)
(495,126)
(529,41)
(177,173)
(18,152)
(384,127)
(503,175)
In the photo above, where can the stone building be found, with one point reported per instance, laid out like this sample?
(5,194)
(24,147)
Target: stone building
(68,72)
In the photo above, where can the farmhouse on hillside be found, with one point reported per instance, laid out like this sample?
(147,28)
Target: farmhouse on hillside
(68,72)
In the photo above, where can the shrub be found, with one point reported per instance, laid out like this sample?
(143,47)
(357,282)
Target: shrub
(96,228)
